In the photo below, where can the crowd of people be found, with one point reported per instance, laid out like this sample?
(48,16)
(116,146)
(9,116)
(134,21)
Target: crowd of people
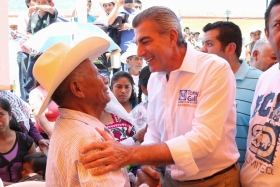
(167,109)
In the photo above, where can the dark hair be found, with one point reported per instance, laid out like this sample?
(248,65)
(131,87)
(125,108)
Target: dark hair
(267,12)
(13,124)
(38,162)
(164,19)
(27,1)
(137,1)
(228,32)
(186,28)
(143,81)
(121,74)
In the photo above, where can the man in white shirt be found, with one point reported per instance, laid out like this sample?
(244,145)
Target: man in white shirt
(191,113)
(261,166)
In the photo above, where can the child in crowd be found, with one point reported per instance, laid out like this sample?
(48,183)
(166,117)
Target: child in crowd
(34,167)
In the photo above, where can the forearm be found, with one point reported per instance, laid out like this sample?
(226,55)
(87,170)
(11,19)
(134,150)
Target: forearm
(44,123)
(33,132)
(113,15)
(45,8)
(144,156)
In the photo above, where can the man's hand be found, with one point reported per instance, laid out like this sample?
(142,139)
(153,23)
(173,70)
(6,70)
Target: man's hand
(140,135)
(148,175)
(112,156)
(44,145)
(126,26)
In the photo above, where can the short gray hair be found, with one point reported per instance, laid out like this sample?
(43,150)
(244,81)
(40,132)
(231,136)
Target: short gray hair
(259,44)
(163,18)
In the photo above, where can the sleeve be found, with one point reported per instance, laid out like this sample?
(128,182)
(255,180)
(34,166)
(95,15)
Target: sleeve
(152,135)
(54,16)
(215,105)
(28,29)
(128,142)
(33,132)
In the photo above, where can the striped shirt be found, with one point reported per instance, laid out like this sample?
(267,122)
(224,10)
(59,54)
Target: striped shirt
(72,132)
(246,81)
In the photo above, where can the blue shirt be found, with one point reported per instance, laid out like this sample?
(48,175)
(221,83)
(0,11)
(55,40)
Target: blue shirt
(90,18)
(246,81)
(127,36)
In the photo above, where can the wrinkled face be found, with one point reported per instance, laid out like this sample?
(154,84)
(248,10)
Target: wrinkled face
(211,45)
(153,47)
(137,6)
(273,32)
(94,85)
(4,120)
(26,169)
(122,89)
(265,59)
(43,2)
(108,7)
(135,63)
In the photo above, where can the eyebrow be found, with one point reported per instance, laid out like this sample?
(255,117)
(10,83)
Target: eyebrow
(206,41)
(143,38)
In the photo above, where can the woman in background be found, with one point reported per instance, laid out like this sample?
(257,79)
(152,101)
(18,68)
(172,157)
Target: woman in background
(14,144)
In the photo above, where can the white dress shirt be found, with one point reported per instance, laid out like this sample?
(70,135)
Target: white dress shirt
(72,132)
(194,113)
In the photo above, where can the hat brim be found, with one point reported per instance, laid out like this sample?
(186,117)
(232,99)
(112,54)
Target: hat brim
(127,54)
(90,48)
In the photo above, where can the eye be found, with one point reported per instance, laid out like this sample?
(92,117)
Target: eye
(277,24)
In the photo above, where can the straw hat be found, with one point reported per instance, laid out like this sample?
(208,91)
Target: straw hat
(131,51)
(55,64)
(101,2)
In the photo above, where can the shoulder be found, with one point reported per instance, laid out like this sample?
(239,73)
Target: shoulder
(271,73)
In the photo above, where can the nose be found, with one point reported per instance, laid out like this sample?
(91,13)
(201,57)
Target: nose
(203,48)
(140,51)
(105,80)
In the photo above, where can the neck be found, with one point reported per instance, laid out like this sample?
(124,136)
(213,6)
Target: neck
(126,106)
(176,59)
(94,110)
(6,135)
(234,64)
(133,72)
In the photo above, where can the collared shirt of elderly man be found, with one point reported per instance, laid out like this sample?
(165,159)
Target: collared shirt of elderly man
(74,84)
(191,114)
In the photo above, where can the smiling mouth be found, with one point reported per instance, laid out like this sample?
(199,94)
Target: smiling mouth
(147,60)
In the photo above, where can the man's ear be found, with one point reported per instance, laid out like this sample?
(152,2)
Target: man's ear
(255,55)
(173,35)
(127,61)
(76,89)
(266,33)
(231,48)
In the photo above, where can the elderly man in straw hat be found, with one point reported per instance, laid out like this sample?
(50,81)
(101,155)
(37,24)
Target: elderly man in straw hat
(72,81)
